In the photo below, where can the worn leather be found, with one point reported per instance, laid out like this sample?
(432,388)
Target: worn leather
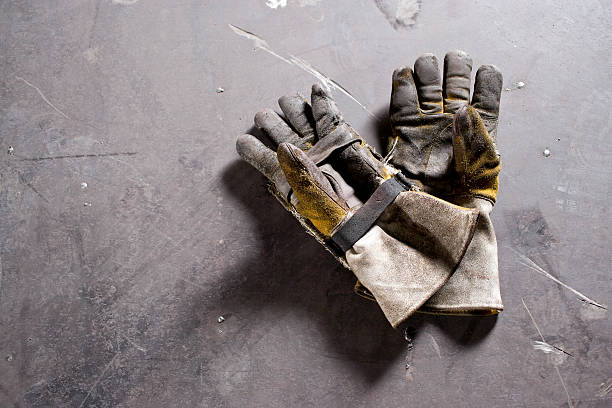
(317,199)
(446,144)
(474,287)
(411,252)
(413,249)
(418,240)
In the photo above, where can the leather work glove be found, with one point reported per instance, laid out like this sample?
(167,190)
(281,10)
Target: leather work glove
(447,145)
(402,244)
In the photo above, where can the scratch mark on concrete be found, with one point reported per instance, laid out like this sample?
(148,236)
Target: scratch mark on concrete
(605,388)
(326,81)
(400,15)
(125,2)
(27,183)
(435,345)
(533,320)
(526,261)
(95,384)
(569,399)
(549,348)
(258,42)
(44,98)
(79,156)
(570,404)
(140,348)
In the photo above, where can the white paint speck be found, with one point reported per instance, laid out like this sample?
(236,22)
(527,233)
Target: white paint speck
(221,242)
(508,89)
(125,2)
(520,84)
(11,150)
(221,319)
(86,204)
(274,4)
(220,90)
(83,185)
(9,358)
(546,152)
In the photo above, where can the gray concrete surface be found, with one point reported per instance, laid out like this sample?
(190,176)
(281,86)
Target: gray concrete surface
(111,292)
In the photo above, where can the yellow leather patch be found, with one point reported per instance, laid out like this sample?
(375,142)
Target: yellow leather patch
(315,201)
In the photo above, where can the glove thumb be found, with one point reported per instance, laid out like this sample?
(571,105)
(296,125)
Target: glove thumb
(317,199)
(476,161)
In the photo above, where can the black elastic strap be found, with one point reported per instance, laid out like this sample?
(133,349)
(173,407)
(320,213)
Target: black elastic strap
(356,227)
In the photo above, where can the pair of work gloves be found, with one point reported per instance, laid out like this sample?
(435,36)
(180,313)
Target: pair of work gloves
(414,226)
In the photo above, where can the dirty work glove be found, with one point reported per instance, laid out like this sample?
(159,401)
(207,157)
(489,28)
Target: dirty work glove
(402,245)
(446,144)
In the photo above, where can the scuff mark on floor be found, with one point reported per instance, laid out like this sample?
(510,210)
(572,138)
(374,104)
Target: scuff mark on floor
(409,334)
(549,348)
(78,156)
(569,399)
(605,388)
(125,2)
(44,98)
(400,14)
(27,183)
(136,346)
(95,384)
(435,345)
(258,42)
(326,81)
(526,261)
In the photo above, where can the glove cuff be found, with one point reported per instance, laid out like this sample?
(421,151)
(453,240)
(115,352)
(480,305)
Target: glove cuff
(411,252)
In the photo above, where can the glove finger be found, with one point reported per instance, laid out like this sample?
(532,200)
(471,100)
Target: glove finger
(488,89)
(299,114)
(427,79)
(317,200)
(404,99)
(457,74)
(258,155)
(476,160)
(364,172)
(326,114)
(276,128)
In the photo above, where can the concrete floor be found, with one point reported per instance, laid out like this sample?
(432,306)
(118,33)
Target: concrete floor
(111,290)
